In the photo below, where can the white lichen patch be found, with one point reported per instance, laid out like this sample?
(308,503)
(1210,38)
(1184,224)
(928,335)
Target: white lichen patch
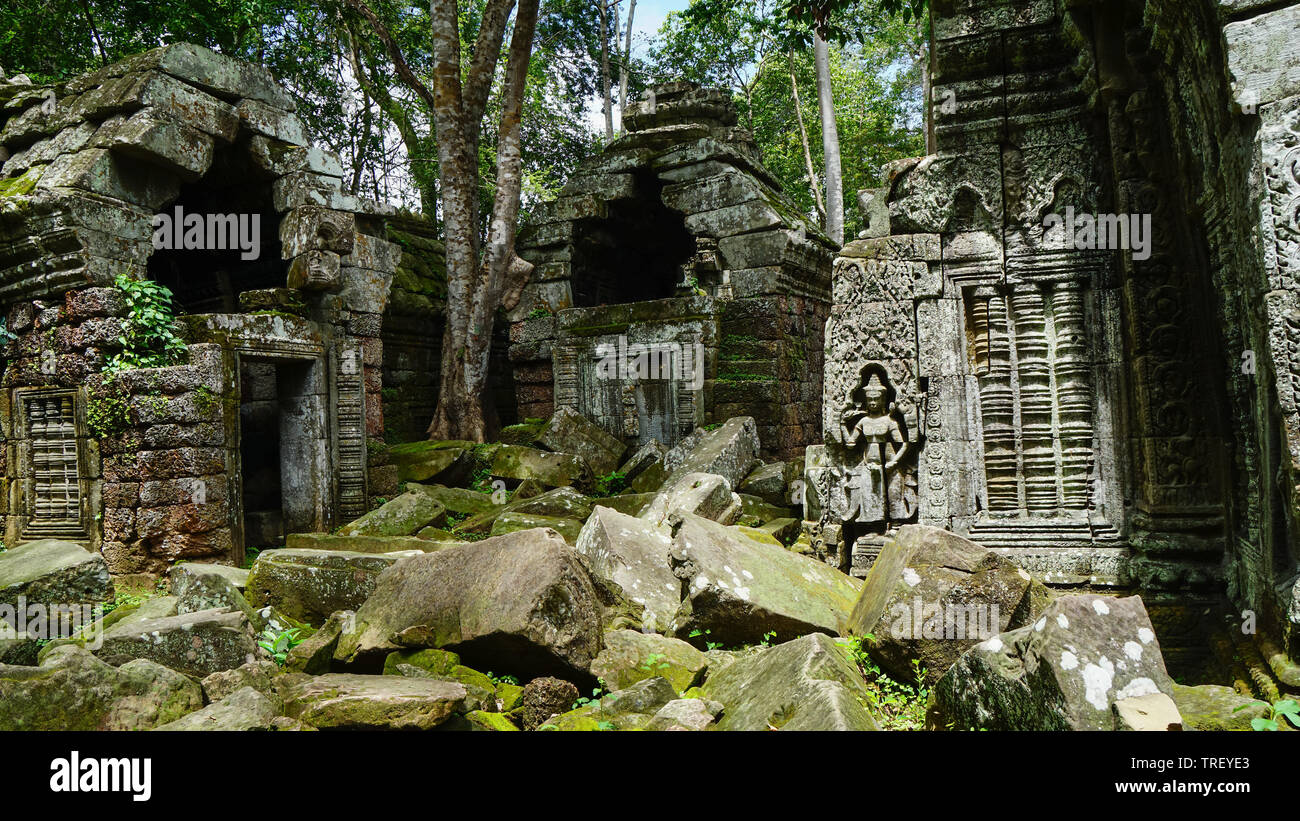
(1133,650)
(1136,688)
(1096,682)
(1069,660)
(1145,635)
(993,645)
(1101,607)
(911,577)
(1063,621)
(1040,624)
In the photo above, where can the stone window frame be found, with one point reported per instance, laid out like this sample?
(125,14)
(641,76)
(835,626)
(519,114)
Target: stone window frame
(574,356)
(20,456)
(1091,272)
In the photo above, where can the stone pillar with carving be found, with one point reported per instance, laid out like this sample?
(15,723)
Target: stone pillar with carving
(863,482)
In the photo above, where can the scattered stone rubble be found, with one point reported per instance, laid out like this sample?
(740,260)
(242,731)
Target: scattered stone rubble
(659,613)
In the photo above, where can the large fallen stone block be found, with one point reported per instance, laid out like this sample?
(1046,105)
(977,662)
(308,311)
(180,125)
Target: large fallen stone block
(315,654)
(512,521)
(631,656)
(1216,707)
(520,603)
(550,469)
(647,456)
(456,499)
(402,516)
(245,709)
(444,665)
(730,451)
(560,503)
(51,571)
(632,555)
(262,675)
(205,586)
(701,494)
(632,708)
(932,595)
(632,504)
(1066,671)
(362,544)
(740,590)
(544,697)
(197,644)
(345,701)
(308,585)
(805,684)
(444,463)
(691,714)
(73,690)
(767,482)
(571,432)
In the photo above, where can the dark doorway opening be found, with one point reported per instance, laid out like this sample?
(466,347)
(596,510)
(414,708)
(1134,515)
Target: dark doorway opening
(283,445)
(634,254)
(210,279)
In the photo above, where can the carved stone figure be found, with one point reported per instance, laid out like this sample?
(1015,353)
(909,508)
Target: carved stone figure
(881,486)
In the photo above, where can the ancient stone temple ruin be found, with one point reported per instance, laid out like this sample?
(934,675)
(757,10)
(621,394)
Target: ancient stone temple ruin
(676,285)
(280,280)
(1069,333)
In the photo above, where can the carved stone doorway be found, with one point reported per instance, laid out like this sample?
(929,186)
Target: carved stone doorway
(284,447)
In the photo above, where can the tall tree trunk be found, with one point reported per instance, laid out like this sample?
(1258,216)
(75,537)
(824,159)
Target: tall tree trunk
(923,58)
(803,140)
(476,286)
(603,9)
(626,67)
(830,142)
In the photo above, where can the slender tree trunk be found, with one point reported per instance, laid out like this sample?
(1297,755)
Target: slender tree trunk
(803,140)
(603,9)
(476,286)
(927,116)
(626,67)
(830,143)
(94,32)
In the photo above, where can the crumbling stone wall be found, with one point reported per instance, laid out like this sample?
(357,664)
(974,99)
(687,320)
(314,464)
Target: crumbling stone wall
(87,165)
(1176,356)
(679,218)
(413,327)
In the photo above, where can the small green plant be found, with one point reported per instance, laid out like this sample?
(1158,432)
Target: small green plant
(481,480)
(279,642)
(127,598)
(506,679)
(596,695)
(148,339)
(539,312)
(1287,707)
(611,484)
(708,645)
(107,411)
(205,400)
(898,705)
(454,518)
(768,638)
(654,663)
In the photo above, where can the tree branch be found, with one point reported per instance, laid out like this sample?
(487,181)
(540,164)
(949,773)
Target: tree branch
(394,52)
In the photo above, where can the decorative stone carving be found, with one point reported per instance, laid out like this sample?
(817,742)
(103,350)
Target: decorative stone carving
(882,483)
